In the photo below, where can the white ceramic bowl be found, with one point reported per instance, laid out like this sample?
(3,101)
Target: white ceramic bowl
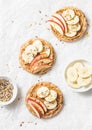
(82,89)
(14,91)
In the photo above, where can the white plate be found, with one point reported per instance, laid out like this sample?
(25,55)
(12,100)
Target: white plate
(14,91)
(82,89)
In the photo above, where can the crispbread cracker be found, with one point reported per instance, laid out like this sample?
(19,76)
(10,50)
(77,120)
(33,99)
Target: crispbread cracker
(32,93)
(83,22)
(27,66)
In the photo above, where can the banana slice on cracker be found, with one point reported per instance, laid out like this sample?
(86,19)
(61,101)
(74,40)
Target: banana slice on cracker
(52,96)
(38,44)
(73,21)
(43,92)
(75,27)
(71,33)
(50,105)
(68,14)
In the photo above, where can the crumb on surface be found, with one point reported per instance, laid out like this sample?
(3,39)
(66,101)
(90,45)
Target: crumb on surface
(40,11)
(18,99)
(12,21)
(21,124)
(35,123)
(87,34)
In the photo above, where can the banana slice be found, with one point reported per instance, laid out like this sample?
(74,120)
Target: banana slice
(50,105)
(68,14)
(78,66)
(70,34)
(85,72)
(74,28)
(31,49)
(47,51)
(72,74)
(73,21)
(27,57)
(38,44)
(43,92)
(73,84)
(52,96)
(84,82)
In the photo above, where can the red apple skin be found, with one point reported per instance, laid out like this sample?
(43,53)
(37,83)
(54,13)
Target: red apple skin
(35,107)
(60,21)
(37,61)
(40,67)
(37,58)
(38,102)
(40,62)
(65,22)
(57,24)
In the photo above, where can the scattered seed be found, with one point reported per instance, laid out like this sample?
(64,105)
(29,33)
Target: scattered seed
(35,123)
(40,11)
(36,36)
(18,99)
(12,21)
(46,15)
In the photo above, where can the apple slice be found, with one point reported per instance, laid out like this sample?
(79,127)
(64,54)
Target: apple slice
(37,58)
(35,109)
(61,20)
(43,61)
(54,18)
(38,68)
(39,103)
(38,106)
(57,26)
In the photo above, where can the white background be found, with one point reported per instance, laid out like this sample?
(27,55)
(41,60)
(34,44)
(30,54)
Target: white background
(19,21)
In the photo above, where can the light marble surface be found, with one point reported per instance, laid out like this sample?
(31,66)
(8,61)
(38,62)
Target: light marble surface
(19,21)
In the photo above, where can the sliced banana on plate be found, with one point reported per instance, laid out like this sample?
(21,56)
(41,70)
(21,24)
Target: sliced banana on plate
(68,14)
(75,27)
(70,33)
(84,81)
(52,96)
(73,21)
(73,84)
(79,75)
(85,72)
(78,66)
(72,74)
(50,105)
(42,92)
(38,44)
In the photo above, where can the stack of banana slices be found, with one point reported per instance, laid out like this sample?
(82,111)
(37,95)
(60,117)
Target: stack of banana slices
(49,97)
(79,75)
(72,21)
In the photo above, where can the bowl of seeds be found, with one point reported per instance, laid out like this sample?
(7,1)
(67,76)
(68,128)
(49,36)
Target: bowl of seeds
(8,91)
